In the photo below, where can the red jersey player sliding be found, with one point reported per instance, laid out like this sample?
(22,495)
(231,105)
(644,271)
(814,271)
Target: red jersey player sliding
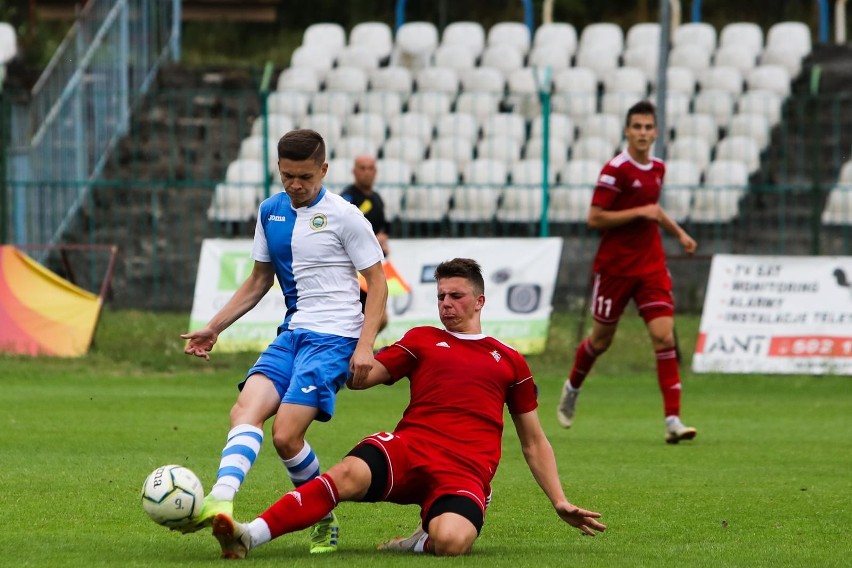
(630,264)
(445,450)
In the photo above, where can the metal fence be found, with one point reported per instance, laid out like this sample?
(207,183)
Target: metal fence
(159,194)
(79,109)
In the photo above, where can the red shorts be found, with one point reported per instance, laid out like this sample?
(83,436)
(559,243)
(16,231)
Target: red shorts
(652,294)
(418,474)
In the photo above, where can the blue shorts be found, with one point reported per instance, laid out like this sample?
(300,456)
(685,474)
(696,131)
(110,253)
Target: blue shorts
(307,368)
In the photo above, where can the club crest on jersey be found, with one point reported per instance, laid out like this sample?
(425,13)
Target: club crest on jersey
(496,355)
(318,222)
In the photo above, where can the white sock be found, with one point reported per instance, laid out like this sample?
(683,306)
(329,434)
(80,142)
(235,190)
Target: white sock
(673,422)
(258,532)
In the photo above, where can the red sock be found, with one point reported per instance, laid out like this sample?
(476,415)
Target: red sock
(584,358)
(668,376)
(302,507)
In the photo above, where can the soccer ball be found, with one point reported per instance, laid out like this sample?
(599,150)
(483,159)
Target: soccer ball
(172,495)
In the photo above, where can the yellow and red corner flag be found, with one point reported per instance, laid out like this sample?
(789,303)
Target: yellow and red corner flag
(397,286)
(41,313)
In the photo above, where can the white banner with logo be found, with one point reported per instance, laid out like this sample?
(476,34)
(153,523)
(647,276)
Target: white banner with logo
(777,314)
(520,277)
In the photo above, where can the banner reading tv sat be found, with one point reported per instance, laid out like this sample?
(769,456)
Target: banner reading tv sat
(777,314)
(520,277)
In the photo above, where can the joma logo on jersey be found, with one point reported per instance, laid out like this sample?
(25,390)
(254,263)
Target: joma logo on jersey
(276,218)
(318,221)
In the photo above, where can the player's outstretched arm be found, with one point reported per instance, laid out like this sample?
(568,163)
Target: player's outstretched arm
(246,297)
(539,456)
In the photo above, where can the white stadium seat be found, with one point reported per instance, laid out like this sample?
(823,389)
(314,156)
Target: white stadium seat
(369,125)
(469,35)
(415,44)
(298,79)
(643,34)
(457,149)
(8,43)
(314,57)
(796,35)
(561,35)
(376,36)
(458,57)
(408,149)
(438,79)
(755,126)
(739,148)
(695,33)
(765,103)
(602,33)
(335,103)
(513,34)
(414,124)
(594,148)
(773,78)
(359,56)
(735,56)
(610,127)
(347,79)
(458,125)
(744,36)
(293,104)
(329,35)
(385,103)
(697,124)
(392,78)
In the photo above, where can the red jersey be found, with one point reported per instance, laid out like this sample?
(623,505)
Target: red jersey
(636,248)
(459,384)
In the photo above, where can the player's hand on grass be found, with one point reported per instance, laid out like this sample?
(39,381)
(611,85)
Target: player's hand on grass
(200,342)
(584,520)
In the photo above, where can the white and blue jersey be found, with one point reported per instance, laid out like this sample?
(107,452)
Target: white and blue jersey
(316,251)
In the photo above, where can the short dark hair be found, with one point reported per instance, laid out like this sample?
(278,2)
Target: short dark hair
(302,144)
(462,268)
(642,107)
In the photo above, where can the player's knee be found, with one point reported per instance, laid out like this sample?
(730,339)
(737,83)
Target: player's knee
(286,444)
(663,340)
(601,343)
(445,542)
(351,477)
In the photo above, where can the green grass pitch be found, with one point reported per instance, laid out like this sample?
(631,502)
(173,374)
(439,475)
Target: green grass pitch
(768,481)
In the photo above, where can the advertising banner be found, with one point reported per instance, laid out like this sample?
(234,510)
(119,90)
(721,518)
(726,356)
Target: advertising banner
(520,277)
(776,314)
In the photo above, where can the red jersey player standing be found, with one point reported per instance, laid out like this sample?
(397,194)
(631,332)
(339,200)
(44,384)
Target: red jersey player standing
(630,264)
(445,450)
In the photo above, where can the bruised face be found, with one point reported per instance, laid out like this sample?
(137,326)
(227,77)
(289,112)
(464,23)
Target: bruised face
(459,305)
(302,179)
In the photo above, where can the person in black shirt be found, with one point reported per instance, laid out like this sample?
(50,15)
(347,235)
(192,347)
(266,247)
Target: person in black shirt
(362,195)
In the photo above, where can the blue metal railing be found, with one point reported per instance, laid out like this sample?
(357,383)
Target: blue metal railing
(81,105)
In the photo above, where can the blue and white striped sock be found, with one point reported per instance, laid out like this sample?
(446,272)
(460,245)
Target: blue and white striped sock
(238,456)
(303,467)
